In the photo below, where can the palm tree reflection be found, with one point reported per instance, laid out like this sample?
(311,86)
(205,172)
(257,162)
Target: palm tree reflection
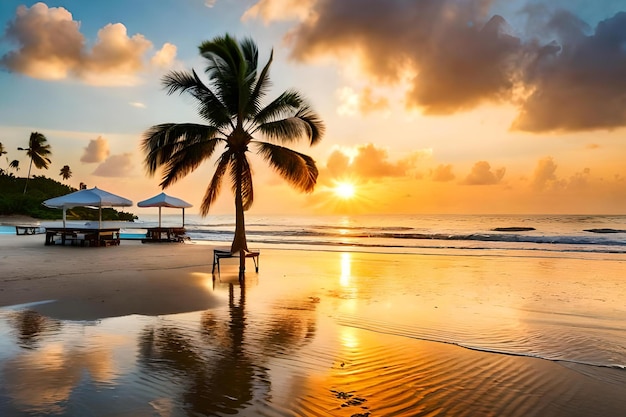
(31,326)
(225,367)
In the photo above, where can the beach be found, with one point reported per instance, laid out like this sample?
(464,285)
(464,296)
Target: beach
(148,330)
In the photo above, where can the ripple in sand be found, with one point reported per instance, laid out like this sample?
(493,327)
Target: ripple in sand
(417,378)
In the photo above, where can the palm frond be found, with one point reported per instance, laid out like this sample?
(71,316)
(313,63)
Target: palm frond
(232,70)
(162,142)
(261,86)
(227,69)
(315,125)
(283,106)
(250,52)
(298,169)
(209,105)
(292,129)
(38,150)
(214,187)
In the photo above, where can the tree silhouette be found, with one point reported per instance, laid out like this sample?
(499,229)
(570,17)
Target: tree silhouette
(231,106)
(38,151)
(66,172)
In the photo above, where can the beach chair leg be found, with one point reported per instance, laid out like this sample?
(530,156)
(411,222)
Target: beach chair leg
(256,263)
(216,261)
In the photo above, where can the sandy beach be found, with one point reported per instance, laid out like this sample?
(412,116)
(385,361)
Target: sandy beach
(148,330)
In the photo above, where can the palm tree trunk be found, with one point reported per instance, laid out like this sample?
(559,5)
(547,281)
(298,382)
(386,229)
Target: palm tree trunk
(28,177)
(240,243)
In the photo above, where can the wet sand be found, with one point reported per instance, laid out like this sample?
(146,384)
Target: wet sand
(312,334)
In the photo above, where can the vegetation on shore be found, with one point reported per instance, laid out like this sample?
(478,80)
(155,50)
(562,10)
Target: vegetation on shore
(13,200)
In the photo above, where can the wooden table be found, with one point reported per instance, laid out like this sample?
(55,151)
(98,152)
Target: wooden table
(165,234)
(82,236)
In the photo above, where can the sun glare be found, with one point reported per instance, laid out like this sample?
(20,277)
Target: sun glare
(344,190)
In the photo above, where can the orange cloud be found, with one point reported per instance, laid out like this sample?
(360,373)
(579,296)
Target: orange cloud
(51,47)
(115,166)
(481,174)
(544,175)
(442,173)
(563,75)
(271,10)
(96,151)
(372,162)
(353,102)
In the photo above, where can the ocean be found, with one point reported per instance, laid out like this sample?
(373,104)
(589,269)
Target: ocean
(413,233)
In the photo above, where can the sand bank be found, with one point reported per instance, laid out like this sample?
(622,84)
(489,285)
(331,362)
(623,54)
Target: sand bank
(87,283)
(314,333)
(18,219)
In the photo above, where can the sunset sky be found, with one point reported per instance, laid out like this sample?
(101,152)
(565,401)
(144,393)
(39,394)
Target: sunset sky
(430,106)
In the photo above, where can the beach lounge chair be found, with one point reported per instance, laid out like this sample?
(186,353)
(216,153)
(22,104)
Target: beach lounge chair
(224,253)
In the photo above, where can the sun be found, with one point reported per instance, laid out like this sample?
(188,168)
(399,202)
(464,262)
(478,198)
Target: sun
(344,190)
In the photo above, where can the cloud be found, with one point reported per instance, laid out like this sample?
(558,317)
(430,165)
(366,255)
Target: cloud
(544,175)
(52,47)
(271,10)
(371,163)
(481,174)
(137,104)
(96,151)
(210,3)
(460,56)
(353,102)
(544,178)
(442,173)
(454,55)
(337,163)
(164,57)
(115,166)
(578,82)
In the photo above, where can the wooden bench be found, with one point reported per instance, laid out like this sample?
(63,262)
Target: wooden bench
(222,254)
(28,230)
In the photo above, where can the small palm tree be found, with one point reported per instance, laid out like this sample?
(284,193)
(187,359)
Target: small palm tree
(15,165)
(66,172)
(2,152)
(38,151)
(231,106)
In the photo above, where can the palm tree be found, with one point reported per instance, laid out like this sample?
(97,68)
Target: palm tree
(231,107)
(66,172)
(38,151)
(2,152)
(14,164)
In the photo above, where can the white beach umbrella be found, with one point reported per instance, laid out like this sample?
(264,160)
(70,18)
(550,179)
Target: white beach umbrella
(164,200)
(93,197)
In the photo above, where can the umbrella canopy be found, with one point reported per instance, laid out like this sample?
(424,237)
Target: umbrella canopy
(93,197)
(164,200)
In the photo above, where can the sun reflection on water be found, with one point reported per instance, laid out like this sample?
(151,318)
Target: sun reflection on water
(346,269)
